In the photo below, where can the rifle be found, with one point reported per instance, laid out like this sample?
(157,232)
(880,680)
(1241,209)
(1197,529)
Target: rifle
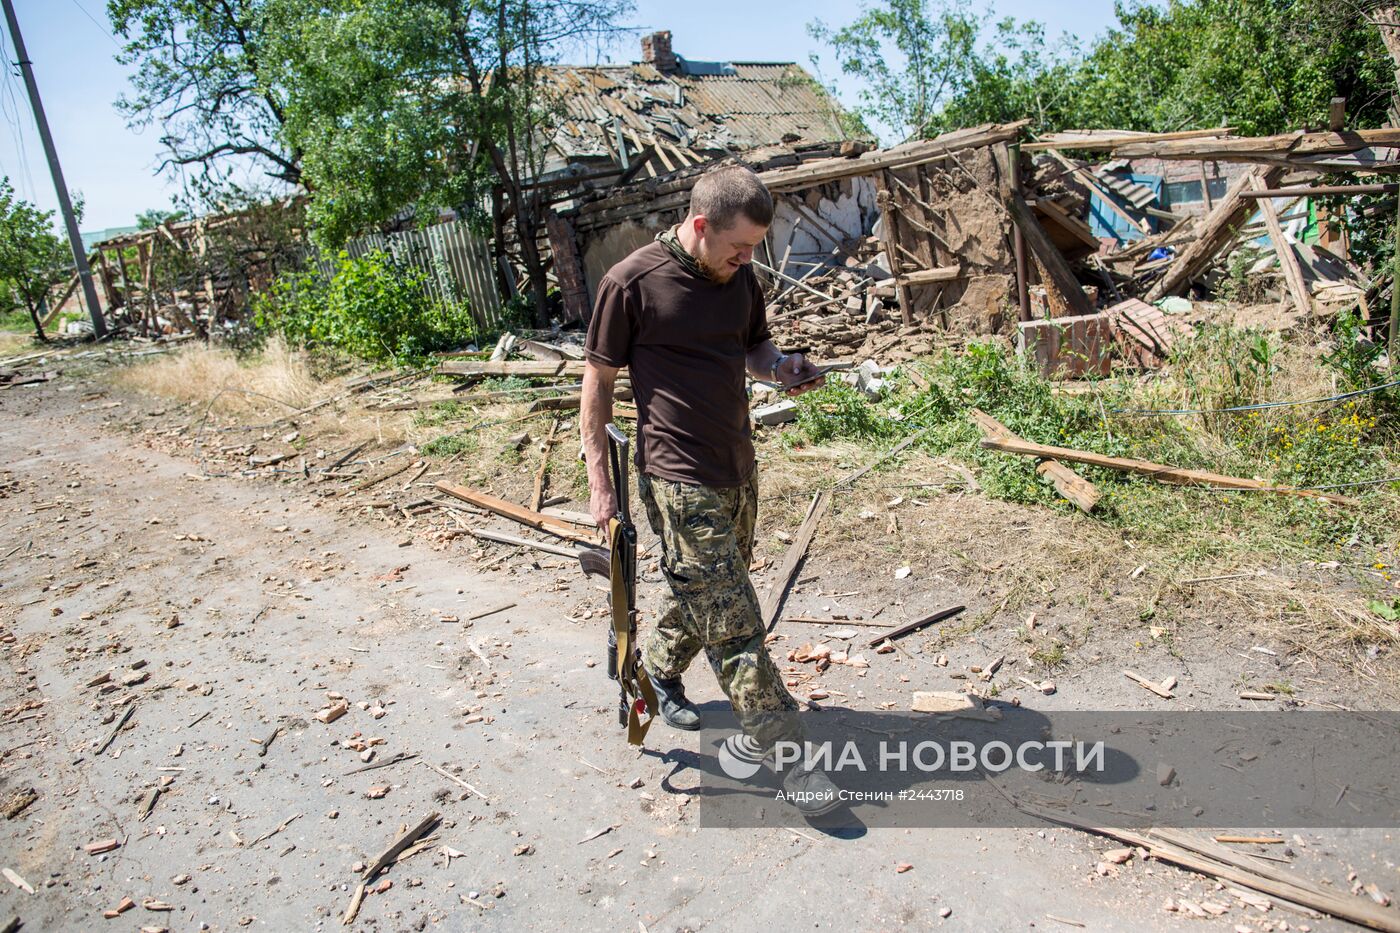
(635,694)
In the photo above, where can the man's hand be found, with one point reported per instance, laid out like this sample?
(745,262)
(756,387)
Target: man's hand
(602,505)
(795,368)
(595,411)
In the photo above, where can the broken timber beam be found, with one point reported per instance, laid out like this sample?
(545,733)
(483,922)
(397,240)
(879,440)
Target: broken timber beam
(1287,259)
(1215,861)
(503,538)
(1313,191)
(517,513)
(1213,233)
(889,239)
(572,402)
(928,276)
(1078,490)
(527,369)
(1364,150)
(914,626)
(773,600)
(1109,140)
(1050,258)
(1161,472)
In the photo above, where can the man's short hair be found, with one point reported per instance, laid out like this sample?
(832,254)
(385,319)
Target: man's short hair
(723,195)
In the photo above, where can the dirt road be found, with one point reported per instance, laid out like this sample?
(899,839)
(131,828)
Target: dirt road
(221,609)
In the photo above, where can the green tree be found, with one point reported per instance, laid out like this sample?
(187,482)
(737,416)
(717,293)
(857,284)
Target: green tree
(32,257)
(149,220)
(196,75)
(426,104)
(1262,66)
(927,66)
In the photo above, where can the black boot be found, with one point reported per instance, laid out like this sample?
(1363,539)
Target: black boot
(675,708)
(811,791)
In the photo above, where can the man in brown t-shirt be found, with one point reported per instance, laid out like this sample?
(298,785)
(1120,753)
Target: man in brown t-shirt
(685,315)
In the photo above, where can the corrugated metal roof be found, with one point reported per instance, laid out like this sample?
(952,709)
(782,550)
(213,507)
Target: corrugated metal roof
(703,108)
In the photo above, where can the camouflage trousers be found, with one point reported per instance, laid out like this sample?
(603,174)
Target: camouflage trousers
(706,547)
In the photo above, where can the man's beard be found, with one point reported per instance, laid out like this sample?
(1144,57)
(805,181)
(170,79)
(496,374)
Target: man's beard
(716,275)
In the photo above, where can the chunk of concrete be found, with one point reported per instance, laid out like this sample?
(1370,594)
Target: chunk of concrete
(778,413)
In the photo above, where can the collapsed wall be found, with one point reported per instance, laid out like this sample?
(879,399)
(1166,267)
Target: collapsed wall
(913,238)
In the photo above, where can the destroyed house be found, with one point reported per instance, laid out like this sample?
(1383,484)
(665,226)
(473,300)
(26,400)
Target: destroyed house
(659,122)
(665,113)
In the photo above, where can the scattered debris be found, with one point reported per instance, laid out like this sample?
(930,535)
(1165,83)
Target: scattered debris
(912,627)
(19,801)
(1160,472)
(13,878)
(773,599)
(1162,690)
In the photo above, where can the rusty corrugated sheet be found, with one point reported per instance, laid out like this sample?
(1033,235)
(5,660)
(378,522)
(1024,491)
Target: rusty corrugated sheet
(732,107)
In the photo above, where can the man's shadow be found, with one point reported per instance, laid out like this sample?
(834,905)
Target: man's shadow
(1005,723)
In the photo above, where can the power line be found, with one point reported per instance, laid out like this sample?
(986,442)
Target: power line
(110,37)
(1262,406)
(17,121)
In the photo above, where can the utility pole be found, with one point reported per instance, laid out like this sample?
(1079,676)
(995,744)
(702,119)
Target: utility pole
(99,328)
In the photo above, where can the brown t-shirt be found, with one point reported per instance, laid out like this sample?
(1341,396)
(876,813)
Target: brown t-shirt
(684,339)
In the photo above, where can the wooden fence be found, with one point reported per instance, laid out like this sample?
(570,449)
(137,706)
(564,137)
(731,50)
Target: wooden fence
(455,261)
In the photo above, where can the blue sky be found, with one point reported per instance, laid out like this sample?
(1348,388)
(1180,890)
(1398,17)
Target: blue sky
(113,166)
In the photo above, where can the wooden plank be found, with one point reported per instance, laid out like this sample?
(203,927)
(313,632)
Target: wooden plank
(1050,259)
(525,369)
(1215,861)
(926,276)
(573,402)
(889,239)
(1287,259)
(501,537)
(1075,228)
(1213,234)
(1248,148)
(773,600)
(1205,187)
(914,626)
(1158,471)
(516,513)
(824,170)
(1308,191)
(1109,140)
(1078,490)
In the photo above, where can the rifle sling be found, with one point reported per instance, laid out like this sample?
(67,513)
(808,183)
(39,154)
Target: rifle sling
(635,683)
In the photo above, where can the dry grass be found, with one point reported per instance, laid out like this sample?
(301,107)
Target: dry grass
(240,397)
(276,379)
(13,344)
